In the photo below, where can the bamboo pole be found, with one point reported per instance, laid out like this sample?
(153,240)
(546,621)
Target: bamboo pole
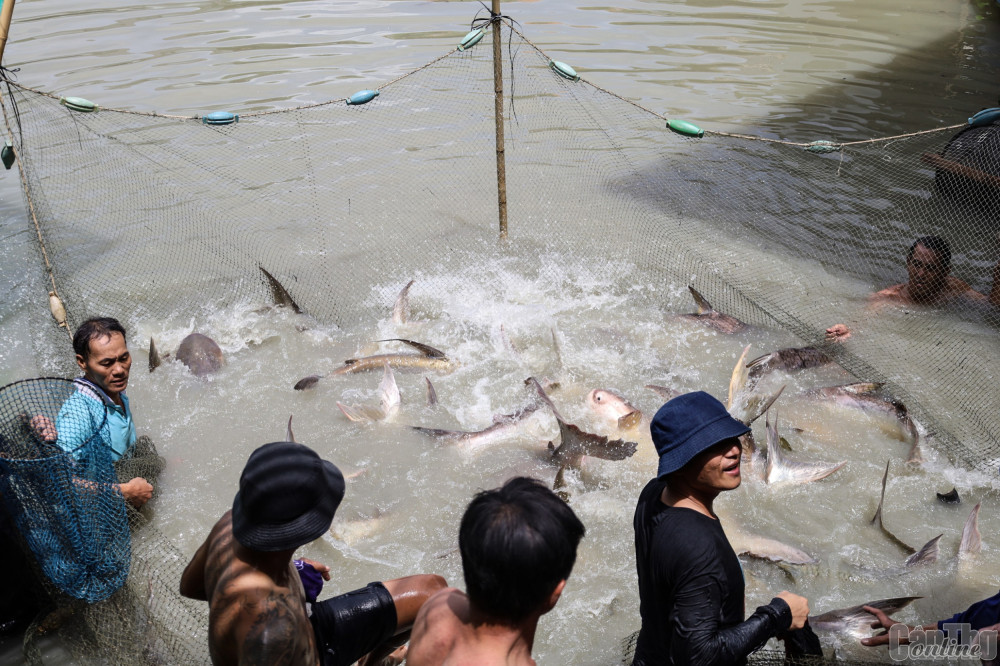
(498,116)
(5,14)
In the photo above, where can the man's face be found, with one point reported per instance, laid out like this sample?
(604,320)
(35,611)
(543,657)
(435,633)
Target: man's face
(108,363)
(717,468)
(927,274)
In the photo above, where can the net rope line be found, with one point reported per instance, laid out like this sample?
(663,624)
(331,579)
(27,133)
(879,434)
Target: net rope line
(510,24)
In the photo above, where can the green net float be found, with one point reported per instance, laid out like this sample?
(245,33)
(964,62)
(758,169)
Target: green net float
(823,147)
(471,39)
(7,154)
(362,97)
(684,127)
(564,70)
(220,118)
(78,104)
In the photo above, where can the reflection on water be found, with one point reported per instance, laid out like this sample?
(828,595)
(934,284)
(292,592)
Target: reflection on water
(800,69)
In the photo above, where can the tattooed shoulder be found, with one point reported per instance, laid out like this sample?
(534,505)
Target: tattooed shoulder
(278,634)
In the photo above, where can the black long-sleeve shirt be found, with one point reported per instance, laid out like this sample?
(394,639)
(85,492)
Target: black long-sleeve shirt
(691,590)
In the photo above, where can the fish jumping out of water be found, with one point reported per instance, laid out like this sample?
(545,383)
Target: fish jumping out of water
(791,359)
(389,402)
(863,396)
(429,358)
(198,352)
(783,471)
(505,427)
(706,314)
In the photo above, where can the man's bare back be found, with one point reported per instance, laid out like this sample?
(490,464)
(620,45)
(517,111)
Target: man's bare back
(256,605)
(447,631)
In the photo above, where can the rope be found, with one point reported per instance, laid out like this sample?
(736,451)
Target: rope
(27,192)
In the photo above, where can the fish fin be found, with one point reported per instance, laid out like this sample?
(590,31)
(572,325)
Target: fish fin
(532,382)
(861,388)
(400,309)
(907,548)
(307,382)
(426,350)
(703,305)
(762,405)
(154,356)
(760,360)
(360,413)
(950,497)
(927,554)
(630,420)
(560,480)
(557,347)
(738,380)
(779,468)
(664,392)
(972,542)
(796,558)
(577,442)
(857,617)
(509,345)
(389,392)
(289,435)
(784,444)
(915,457)
(279,294)
(432,396)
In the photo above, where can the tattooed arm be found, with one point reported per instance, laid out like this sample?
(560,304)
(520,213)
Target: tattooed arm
(274,631)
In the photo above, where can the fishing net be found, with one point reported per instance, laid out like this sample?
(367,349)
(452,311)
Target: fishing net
(139,212)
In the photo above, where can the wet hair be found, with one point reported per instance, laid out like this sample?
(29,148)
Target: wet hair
(935,243)
(517,543)
(94,329)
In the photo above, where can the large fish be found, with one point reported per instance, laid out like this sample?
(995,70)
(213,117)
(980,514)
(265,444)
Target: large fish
(856,620)
(198,352)
(709,316)
(505,428)
(614,408)
(863,396)
(389,402)
(790,359)
(429,358)
(780,470)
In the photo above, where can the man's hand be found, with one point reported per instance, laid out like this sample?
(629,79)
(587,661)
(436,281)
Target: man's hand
(322,569)
(44,428)
(837,333)
(136,492)
(883,622)
(799,606)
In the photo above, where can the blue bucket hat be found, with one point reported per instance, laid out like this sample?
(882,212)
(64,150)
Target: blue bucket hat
(689,424)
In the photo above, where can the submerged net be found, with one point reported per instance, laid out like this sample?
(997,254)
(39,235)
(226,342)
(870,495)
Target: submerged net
(142,213)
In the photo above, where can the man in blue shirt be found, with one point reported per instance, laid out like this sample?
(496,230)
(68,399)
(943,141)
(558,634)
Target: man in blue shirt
(103,356)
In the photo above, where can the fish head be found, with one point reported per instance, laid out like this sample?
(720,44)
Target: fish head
(610,406)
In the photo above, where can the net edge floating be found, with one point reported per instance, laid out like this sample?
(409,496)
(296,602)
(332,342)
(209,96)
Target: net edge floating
(220,118)
(685,127)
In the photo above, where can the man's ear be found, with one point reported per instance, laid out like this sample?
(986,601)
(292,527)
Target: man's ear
(554,597)
(80,361)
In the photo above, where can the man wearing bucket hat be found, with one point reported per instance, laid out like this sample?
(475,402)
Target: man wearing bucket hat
(690,580)
(258,609)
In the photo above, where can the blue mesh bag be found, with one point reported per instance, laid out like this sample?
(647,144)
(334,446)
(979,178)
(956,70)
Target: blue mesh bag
(58,482)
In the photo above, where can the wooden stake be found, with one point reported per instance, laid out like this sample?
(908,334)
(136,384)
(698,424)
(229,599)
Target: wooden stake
(498,116)
(5,14)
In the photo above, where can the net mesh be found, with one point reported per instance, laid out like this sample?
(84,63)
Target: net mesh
(137,212)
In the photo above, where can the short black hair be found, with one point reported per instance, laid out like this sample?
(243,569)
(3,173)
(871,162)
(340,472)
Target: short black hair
(517,543)
(95,328)
(935,243)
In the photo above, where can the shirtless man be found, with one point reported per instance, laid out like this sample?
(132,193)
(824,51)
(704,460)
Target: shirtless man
(518,545)
(928,264)
(257,605)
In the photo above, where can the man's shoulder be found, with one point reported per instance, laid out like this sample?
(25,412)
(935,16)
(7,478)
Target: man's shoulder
(896,291)
(437,627)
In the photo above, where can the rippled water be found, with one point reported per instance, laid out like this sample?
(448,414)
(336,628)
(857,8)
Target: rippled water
(800,70)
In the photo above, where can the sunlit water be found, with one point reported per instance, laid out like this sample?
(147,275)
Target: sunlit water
(792,69)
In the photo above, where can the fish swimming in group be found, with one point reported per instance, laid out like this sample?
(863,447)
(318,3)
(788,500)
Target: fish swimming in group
(708,315)
(198,352)
(429,358)
(389,402)
(856,620)
(780,470)
(864,397)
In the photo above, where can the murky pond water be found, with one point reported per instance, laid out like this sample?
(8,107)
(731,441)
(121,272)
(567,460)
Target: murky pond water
(793,69)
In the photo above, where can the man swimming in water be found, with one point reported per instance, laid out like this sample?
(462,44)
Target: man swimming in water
(928,264)
(691,587)
(257,605)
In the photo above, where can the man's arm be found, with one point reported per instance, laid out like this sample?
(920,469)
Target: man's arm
(193,578)
(884,622)
(435,629)
(269,631)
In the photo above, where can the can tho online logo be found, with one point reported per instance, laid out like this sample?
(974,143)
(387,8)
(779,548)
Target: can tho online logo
(953,642)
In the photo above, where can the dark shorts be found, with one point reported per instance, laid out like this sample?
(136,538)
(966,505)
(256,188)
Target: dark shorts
(351,625)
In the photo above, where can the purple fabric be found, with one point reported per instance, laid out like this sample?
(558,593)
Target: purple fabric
(312,581)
